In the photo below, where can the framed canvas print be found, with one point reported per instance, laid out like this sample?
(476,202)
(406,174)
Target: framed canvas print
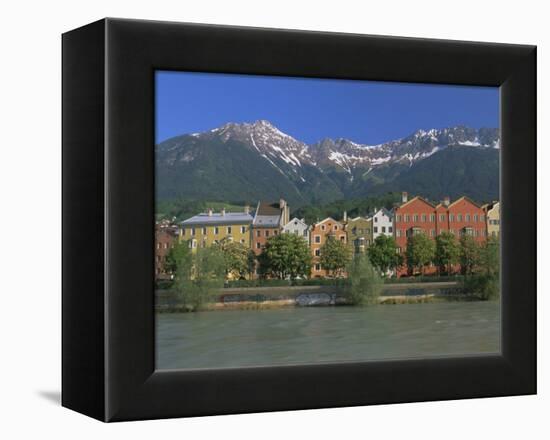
(261,220)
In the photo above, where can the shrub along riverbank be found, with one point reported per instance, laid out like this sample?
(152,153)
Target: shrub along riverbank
(362,291)
(340,282)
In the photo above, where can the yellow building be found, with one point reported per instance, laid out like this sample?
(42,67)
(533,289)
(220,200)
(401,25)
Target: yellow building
(210,227)
(359,230)
(492,214)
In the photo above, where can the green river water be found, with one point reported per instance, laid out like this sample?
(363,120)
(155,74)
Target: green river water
(296,335)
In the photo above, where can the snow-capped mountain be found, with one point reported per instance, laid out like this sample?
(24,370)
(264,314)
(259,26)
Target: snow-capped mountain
(419,145)
(250,153)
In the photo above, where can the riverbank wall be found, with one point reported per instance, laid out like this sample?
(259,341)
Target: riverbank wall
(309,296)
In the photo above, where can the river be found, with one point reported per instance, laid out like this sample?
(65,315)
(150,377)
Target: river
(296,335)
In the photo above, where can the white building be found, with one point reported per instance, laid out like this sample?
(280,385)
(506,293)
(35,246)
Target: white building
(382,223)
(298,227)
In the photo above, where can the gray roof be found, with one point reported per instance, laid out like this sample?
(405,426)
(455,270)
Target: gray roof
(230,218)
(267,221)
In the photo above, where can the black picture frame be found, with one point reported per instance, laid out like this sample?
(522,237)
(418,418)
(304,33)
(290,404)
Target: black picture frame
(108,218)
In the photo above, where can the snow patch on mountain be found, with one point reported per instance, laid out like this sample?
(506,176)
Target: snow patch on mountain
(291,156)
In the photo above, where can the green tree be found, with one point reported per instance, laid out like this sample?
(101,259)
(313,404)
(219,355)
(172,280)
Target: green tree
(420,251)
(237,258)
(483,270)
(365,283)
(489,259)
(200,277)
(286,256)
(469,254)
(335,256)
(179,258)
(447,251)
(383,254)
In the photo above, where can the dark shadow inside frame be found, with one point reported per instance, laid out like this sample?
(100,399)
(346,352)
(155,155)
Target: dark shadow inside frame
(108,300)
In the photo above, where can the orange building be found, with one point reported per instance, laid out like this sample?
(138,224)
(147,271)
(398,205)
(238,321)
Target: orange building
(462,217)
(319,235)
(268,221)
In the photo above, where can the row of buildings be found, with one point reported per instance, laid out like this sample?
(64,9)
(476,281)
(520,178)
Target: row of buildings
(254,228)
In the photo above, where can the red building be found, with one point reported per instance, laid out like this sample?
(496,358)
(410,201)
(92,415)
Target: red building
(418,215)
(165,237)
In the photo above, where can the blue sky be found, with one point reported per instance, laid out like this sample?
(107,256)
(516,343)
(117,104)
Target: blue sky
(312,109)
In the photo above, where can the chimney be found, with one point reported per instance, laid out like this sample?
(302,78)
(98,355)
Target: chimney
(404,197)
(246,209)
(223,211)
(446,200)
(345,216)
(209,212)
(285,214)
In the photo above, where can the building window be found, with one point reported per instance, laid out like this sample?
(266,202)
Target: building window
(467,217)
(158,245)
(258,245)
(432,232)
(229,229)
(441,217)
(390,229)
(383,229)
(193,231)
(267,233)
(194,244)
(375,219)
(407,218)
(432,218)
(322,227)
(317,239)
(183,232)
(243,229)
(242,240)
(398,250)
(216,230)
(258,234)
(475,218)
(342,238)
(459,217)
(375,229)
(451,217)
(305,233)
(317,267)
(398,232)
(481,218)
(275,232)
(335,227)
(415,217)
(165,245)
(397,218)
(424,218)
(317,252)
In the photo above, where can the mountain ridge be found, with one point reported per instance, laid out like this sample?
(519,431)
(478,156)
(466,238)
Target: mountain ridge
(309,173)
